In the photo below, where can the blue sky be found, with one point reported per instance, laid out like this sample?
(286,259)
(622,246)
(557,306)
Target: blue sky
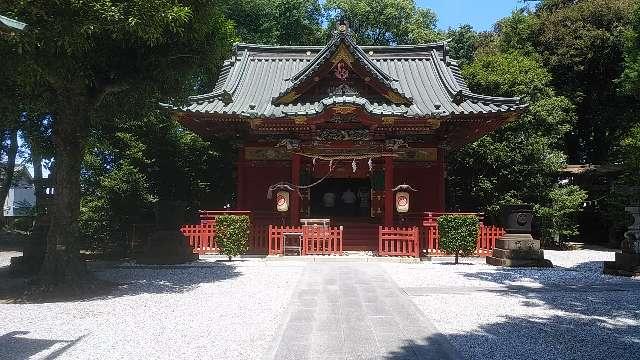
(481,14)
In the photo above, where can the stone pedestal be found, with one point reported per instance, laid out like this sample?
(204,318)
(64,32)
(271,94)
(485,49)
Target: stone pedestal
(167,247)
(32,253)
(627,262)
(518,250)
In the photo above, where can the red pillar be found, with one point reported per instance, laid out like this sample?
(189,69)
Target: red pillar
(240,201)
(295,197)
(442,172)
(388,191)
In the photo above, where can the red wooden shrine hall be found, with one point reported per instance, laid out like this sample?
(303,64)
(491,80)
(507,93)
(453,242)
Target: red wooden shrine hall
(342,129)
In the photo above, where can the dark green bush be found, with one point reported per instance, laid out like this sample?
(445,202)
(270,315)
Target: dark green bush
(232,234)
(458,234)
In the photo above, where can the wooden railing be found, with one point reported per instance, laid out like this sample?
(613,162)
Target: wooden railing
(202,236)
(430,238)
(320,240)
(276,237)
(395,241)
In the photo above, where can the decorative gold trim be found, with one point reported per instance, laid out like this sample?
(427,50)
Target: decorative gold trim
(256,122)
(388,120)
(394,97)
(342,110)
(433,123)
(419,154)
(342,54)
(300,120)
(289,97)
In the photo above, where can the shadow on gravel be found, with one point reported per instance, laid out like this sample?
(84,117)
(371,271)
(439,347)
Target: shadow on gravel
(556,337)
(135,280)
(594,317)
(15,346)
(112,282)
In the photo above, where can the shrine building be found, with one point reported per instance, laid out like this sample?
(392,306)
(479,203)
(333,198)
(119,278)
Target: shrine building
(336,132)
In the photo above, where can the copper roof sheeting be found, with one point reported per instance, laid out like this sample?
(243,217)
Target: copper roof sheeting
(257,75)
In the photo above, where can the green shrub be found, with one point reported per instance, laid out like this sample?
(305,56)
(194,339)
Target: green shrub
(559,220)
(458,234)
(232,234)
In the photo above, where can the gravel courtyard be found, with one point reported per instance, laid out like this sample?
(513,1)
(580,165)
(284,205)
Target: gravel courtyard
(219,310)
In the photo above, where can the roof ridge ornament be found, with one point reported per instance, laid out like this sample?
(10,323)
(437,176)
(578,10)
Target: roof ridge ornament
(343,26)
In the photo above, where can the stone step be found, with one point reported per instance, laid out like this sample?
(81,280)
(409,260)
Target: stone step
(518,254)
(518,262)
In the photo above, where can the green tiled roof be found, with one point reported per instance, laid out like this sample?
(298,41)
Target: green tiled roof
(257,75)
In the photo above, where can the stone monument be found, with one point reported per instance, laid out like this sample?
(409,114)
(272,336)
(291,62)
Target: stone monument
(167,245)
(36,246)
(517,248)
(627,262)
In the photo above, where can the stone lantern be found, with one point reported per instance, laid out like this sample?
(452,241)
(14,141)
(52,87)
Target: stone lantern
(627,262)
(517,248)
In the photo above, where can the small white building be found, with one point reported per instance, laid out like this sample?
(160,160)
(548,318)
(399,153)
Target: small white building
(21,197)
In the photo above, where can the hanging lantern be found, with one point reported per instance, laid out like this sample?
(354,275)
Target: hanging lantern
(282,201)
(402,202)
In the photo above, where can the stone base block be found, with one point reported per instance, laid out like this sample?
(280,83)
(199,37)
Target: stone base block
(518,262)
(25,265)
(625,265)
(518,250)
(518,254)
(167,247)
(517,242)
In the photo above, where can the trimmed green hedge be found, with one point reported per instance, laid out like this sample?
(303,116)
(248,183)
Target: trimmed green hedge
(232,234)
(458,234)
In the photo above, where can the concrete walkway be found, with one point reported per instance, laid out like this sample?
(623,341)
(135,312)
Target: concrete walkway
(355,311)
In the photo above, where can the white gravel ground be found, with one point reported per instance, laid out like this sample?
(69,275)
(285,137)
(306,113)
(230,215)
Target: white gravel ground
(569,312)
(217,310)
(5,257)
(214,311)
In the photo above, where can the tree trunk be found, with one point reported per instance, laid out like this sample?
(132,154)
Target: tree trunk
(12,152)
(456,261)
(62,264)
(36,161)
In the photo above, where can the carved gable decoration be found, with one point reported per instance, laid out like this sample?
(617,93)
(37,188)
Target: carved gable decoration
(341,69)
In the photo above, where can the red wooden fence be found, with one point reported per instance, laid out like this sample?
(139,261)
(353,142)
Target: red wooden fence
(320,240)
(395,241)
(202,236)
(267,238)
(276,237)
(487,236)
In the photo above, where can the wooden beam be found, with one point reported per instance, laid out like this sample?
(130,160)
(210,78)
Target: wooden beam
(295,197)
(388,191)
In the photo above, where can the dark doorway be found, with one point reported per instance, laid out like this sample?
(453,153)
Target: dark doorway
(347,198)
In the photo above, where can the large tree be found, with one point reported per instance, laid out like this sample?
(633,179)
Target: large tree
(581,43)
(278,22)
(100,59)
(385,22)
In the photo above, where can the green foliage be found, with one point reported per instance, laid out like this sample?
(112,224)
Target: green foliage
(128,165)
(630,80)
(464,42)
(385,22)
(458,234)
(581,43)
(520,160)
(278,22)
(232,234)
(558,218)
(518,32)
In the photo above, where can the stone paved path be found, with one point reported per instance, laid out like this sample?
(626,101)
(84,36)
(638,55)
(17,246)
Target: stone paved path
(355,311)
